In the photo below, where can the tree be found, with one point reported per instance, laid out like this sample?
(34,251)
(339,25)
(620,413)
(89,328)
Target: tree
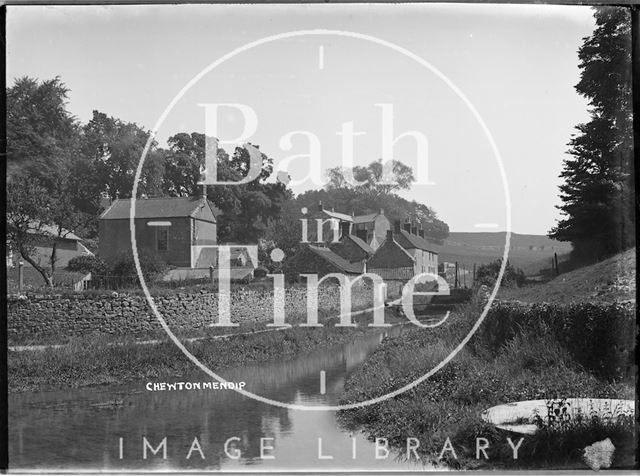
(487,274)
(28,218)
(43,147)
(41,134)
(248,209)
(44,143)
(598,191)
(258,202)
(114,149)
(372,178)
(64,217)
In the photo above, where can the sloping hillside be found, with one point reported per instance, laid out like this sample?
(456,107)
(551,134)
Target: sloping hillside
(529,252)
(611,280)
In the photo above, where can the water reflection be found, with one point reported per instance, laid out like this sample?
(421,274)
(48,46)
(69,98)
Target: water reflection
(79,429)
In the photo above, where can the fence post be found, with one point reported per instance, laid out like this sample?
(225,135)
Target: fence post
(456,278)
(555,258)
(20,275)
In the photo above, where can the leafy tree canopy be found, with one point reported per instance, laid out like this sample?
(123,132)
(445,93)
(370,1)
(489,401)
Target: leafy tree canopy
(42,136)
(248,209)
(598,191)
(373,179)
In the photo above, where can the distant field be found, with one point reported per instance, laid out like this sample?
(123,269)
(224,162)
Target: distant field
(529,252)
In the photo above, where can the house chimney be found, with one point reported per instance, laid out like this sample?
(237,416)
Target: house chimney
(396,226)
(390,234)
(407,227)
(382,211)
(344,228)
(320,207)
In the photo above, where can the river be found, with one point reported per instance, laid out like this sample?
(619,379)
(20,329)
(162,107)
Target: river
(81,429)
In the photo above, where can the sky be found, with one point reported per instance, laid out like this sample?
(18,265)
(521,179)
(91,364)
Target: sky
(454,78)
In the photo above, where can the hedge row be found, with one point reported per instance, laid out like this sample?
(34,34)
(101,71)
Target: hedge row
(600,337)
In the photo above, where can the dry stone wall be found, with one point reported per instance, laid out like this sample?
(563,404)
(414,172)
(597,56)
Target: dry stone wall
(130,314)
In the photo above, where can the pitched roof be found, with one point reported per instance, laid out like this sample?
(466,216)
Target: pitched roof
(360,242)
(339,216)
(352,248)
(409,240)
(156,208)
(52,230)
(390,254)
(365,218)
(336,260)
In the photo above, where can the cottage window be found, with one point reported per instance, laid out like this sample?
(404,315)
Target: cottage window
(162,239)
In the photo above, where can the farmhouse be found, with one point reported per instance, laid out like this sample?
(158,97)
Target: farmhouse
(403,254)
(176,229)
(392,261)
(412,240)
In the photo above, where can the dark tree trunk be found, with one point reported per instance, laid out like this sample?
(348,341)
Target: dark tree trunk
(54,258)
(47,279)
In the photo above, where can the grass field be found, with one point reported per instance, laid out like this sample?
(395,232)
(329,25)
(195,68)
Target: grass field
(611,280)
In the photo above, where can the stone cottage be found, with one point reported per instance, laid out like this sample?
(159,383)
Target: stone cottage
(403,254)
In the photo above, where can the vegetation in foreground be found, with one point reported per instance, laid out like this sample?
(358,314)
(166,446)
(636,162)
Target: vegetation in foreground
(523,356)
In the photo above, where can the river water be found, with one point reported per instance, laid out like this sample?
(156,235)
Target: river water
(81,429)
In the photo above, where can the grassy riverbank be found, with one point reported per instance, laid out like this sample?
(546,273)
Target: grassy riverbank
(101,360)
(65,338)
(520,353)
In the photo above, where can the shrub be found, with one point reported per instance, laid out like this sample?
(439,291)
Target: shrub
(91,244)
(260,272)
(600,337)
(87,264)
(562,444)
(123,266)
(487,274)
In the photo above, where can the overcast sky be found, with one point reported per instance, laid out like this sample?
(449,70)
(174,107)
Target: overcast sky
(516,65)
